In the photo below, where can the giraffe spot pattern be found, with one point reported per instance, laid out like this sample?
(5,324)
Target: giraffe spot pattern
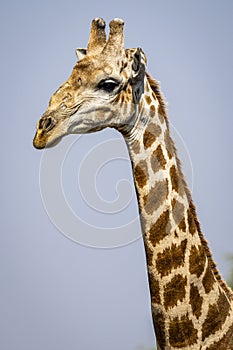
(169,144)
(159,326)
(150,134)
(216,316)
(148,99)
(149,255)
(197,260)
(122,94)
(174,178)
(174,291)
(226,342)
(182,225)
(182,332)
(148,139)
(195,300)
(157,160)
(123,65)
(208,279)
(152,111)
(154,289)
(141,173)
(135,146)
(154,95)
(160,229)
(156,196)
(177,211)
(171,258)
(191,222)
(161,114)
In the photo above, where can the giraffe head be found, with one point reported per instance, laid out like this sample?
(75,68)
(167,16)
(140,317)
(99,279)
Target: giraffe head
(103,89)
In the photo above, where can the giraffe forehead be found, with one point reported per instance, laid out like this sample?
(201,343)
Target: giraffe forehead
(98,61)
(91,65)
(87,71)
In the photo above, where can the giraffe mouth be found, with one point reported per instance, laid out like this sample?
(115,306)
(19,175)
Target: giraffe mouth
(41,142)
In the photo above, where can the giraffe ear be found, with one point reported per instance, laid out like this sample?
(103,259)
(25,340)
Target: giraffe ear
(139,62)
(80,53)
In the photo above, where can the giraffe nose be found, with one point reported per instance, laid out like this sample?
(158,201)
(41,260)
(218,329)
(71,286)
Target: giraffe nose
(46,123)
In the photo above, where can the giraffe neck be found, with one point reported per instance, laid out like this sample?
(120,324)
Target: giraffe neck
(187,292)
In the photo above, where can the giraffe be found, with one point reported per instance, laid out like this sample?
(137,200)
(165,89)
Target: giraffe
(192,307)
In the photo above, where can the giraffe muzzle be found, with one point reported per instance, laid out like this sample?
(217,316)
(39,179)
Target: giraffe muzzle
(45,126)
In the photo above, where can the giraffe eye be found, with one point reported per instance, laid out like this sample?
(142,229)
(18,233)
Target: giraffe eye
(108,85)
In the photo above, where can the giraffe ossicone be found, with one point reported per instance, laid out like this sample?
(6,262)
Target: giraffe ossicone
(192,307)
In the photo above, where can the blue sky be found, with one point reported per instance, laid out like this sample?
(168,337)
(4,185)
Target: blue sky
(58,294)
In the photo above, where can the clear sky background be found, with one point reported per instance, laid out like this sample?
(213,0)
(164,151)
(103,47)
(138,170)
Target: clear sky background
(57,294)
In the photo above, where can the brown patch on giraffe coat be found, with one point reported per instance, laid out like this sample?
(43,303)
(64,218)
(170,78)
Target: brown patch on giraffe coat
(225,343)
(122,96)
(169,144)
(182,225)
(161,114)
(151,133)
(148,99)
(154,95)
(160,229)
(171,258)
(123,64)
(154,289)
(197,260)
(191,222)
(141,173)
(135,146)
(129,90)
(216,316)
(156,196)
(174,291)
(182,332)
(195,300)
(157,159)
(174,178)
(208,279)
(210,258)
(149,255)
(159,326)
(152,111)
(177,211)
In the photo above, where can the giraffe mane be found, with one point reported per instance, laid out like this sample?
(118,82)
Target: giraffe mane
(154,84)
(163,111)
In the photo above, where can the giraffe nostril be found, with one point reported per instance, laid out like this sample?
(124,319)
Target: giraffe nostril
(46,123)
